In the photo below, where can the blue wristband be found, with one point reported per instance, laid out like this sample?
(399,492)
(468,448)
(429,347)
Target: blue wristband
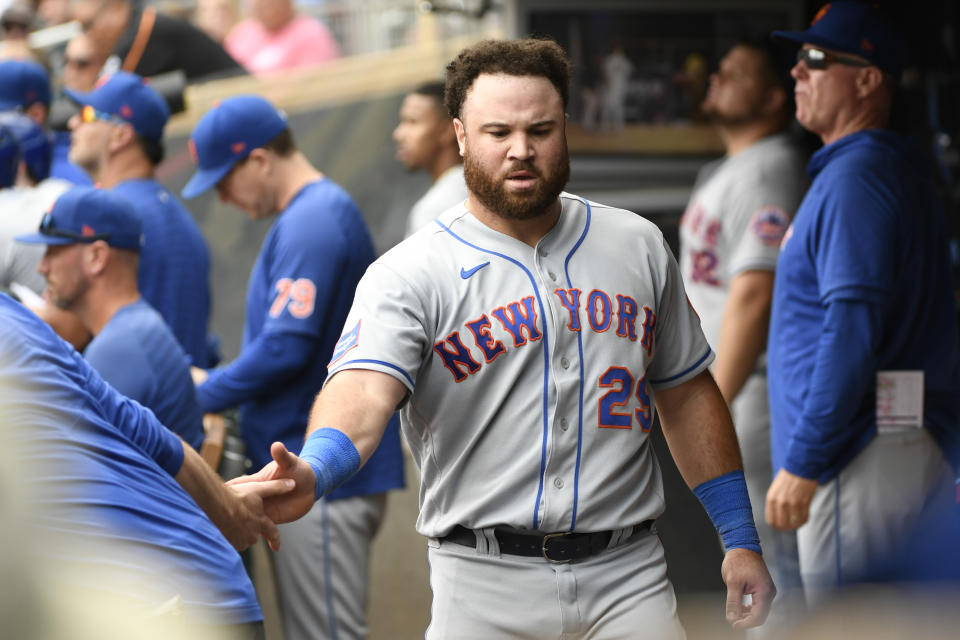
(333,457)
(728,505)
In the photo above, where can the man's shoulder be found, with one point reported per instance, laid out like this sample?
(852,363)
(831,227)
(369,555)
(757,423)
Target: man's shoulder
(604,217)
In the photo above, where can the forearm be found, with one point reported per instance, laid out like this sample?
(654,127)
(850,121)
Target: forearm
(206,488)
(844,370)
(743,332)
(699,431)
(359,403)
(267,361)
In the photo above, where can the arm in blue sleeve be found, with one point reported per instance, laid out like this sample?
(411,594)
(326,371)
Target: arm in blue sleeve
(267,361)
(844,371)
(135,421)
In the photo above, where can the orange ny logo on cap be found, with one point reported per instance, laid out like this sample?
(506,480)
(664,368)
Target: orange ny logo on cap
(820,14)
(192,146)
(238,147)
(87,230)
(126,111)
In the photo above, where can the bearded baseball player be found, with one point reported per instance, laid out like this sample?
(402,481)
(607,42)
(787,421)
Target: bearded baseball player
(529,336)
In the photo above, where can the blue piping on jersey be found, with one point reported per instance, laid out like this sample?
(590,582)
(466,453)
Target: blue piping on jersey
(685,371)
(327,563)
(576,473)
(380,362)
(546,365)
(836,529)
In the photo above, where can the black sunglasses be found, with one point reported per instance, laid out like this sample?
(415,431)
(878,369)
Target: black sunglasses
(47,229)
(818,59)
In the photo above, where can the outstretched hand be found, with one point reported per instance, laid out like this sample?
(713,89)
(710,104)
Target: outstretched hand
(744,573)
(251,515)
(285,507)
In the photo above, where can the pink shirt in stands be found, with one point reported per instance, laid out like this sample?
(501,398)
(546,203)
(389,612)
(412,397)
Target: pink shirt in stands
(304,41)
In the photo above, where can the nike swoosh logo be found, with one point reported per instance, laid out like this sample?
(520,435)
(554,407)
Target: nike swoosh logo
(466,273)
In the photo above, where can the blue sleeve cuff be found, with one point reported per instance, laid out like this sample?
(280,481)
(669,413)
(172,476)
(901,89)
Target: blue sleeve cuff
(333,457)
(727,503)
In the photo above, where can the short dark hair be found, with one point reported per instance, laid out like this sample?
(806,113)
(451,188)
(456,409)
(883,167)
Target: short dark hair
(281,144)
(153,149)
(526,57)
(431,90)
(776,62)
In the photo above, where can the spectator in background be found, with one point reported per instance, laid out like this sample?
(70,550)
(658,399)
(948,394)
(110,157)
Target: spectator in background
(730,237)
(148,43)
(118,138)
(25,87)
(16,21)
(426,141)
(82,63)
(54,12)
(216,18)
(93,239)
(275,38)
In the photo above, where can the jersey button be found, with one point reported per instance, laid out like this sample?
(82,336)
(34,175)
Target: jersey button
(558,483)
(552,275)
(563,424)
(564,362)
(543,252)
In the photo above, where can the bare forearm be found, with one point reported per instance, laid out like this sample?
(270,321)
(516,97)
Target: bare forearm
(743,333)
(698,429)
(359,403)
(205,487)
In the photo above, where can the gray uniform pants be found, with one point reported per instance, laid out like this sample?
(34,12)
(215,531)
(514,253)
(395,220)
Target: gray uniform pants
(479,594)
(751,417)
(857,519)
(322,568)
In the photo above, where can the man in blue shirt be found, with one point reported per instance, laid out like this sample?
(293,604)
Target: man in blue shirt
(864,364)
(25,86)
(118,139)
(93,240)
(300,290)
(119,506)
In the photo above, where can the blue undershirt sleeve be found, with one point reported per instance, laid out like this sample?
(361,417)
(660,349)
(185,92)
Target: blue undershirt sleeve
(843,373)
(267,361)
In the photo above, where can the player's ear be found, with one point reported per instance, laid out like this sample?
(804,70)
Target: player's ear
(122,136)
(869,79)
(461,132)
(95,257)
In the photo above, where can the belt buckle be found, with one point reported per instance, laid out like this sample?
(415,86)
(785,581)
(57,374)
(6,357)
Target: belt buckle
(543,546)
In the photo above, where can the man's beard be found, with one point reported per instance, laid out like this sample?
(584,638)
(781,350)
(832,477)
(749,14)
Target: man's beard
(491,191)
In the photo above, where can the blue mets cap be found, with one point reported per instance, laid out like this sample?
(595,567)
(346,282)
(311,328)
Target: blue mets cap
(859,28)
(9,157)
(33,144)
(130,98)
(227,134)
(88,214)
(23,83)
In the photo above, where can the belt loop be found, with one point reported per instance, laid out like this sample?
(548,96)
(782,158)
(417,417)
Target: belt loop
(619,536)
(487,544)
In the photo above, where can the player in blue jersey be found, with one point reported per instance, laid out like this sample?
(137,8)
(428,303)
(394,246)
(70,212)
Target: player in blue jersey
(300,290)
(864,363)
(25,87)
(93,242)
(119,506)
(117,137)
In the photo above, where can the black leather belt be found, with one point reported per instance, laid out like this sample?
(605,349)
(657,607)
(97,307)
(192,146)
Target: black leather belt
(555,547)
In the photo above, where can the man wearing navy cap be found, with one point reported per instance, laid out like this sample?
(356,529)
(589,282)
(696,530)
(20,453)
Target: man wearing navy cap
(864,363)
(25,87)
(118,138)
(93,240)
(300,290)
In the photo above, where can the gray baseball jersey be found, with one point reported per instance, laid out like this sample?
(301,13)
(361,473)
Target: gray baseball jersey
(449,190)
(532,371)
(740,209)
